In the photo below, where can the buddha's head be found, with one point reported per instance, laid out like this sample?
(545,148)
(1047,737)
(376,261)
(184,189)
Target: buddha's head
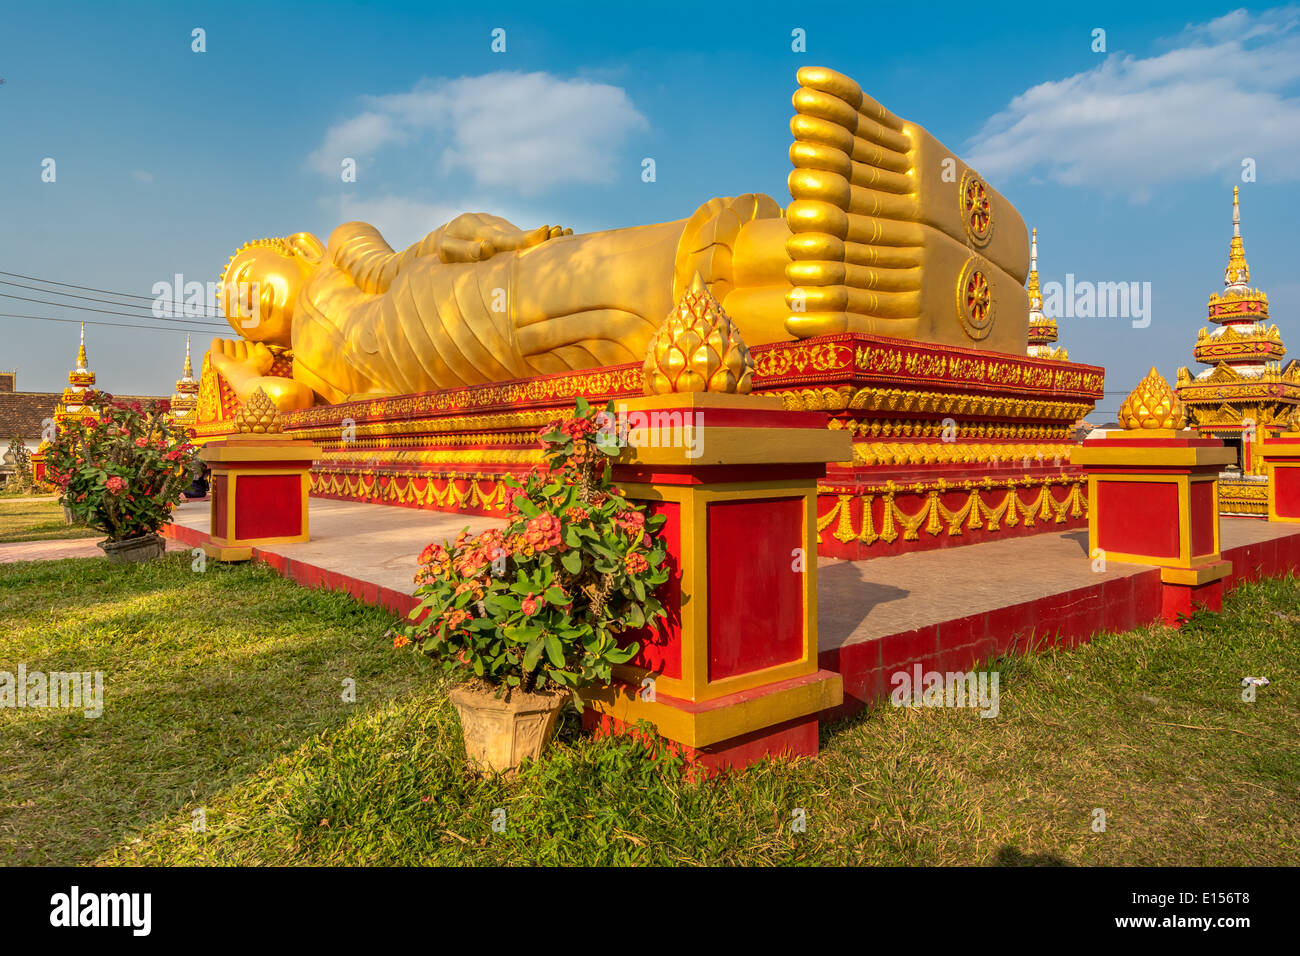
(260,286)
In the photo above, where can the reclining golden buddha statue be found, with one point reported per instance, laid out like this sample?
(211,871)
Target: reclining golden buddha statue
(888,233)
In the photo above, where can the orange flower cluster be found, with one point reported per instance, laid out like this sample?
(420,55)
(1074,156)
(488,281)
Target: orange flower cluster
(544,533)
(630,521)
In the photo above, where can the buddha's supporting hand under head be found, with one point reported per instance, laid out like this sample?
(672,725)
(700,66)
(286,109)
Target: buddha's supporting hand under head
(245,365)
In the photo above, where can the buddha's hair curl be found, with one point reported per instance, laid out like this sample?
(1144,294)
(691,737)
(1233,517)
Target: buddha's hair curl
(302,244)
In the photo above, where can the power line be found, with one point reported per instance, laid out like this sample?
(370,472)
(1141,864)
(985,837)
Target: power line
(83,288)
(111,325)
(70,295)
(86,308)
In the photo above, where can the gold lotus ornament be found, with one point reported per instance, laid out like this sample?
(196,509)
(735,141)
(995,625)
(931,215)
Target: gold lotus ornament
(258,416)
(1152,405)
(698,349)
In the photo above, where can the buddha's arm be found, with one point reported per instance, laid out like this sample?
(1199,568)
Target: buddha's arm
(359,250)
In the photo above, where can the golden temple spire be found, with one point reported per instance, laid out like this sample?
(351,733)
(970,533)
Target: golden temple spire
(80,379)
(1237,275)
(187,373)
(1035,293)
(83,365)
(187,388)
(1042,329)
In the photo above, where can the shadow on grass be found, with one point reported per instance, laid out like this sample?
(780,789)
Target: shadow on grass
(1009,855)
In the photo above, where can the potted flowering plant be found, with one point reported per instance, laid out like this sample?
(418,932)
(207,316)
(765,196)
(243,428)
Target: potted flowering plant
(121,472)
(532,610)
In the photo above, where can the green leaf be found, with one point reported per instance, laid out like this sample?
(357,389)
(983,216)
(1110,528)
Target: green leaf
(606,553)
(533,654)
(624,655)
(556,596)
(572,562)
(555,650)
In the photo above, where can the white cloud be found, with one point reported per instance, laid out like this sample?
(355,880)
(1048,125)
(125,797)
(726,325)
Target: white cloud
(519,131)
(1223,91)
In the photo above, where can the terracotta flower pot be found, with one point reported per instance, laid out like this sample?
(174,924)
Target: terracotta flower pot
(500,733)
(134,550)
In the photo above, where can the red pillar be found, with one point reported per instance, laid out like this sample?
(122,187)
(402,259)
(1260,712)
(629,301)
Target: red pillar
(733,675)
(1153,498)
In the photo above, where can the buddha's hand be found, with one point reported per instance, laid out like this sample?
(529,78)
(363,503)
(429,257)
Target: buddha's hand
(473,237)
(244,366)
(892,233)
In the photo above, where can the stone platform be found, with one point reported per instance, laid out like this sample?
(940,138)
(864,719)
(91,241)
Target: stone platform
(945,610)
(950,446)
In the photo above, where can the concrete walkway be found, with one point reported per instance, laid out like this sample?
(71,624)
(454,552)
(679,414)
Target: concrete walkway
(378,544)
(54,549)
(866,600)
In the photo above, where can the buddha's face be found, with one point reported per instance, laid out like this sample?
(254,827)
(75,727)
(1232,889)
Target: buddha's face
(261,284)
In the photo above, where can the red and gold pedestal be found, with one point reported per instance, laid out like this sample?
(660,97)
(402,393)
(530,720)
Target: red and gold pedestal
(732,676)
(1153,498)
(260,485)
(1281,454)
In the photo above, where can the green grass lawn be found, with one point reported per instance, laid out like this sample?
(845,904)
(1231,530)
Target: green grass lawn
(223,693)
(36,519)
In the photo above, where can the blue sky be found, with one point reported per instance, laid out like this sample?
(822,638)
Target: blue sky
(167,160)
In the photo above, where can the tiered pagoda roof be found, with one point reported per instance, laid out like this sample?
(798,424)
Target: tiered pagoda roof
(1246,388)
(186,397)
(1242,350)
(72,403)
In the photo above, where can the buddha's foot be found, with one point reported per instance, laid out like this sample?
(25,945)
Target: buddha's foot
(891,233)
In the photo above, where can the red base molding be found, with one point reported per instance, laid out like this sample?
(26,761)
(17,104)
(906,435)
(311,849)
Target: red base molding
(471,494)
(1066,619)
(794,738)
(1181,601)
(870,520)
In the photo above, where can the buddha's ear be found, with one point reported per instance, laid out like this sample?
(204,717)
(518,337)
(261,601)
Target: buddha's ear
(307,246)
